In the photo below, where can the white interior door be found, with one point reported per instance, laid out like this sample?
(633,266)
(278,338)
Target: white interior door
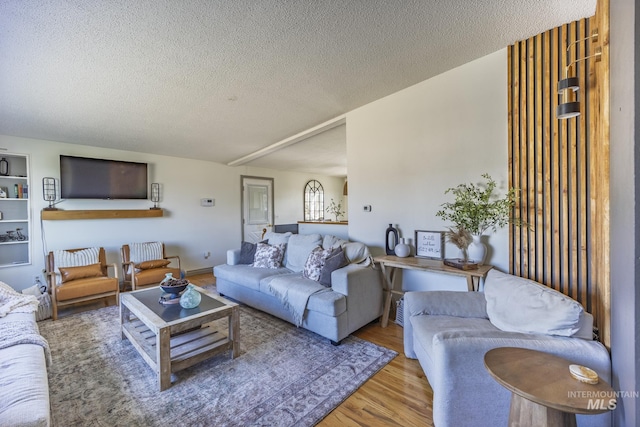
(257,207)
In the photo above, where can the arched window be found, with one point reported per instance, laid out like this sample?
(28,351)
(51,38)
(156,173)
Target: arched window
(313,201)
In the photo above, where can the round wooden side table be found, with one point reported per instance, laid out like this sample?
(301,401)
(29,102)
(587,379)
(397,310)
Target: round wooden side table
(543,391)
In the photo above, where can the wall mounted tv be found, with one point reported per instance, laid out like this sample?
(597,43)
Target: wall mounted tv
(86,178)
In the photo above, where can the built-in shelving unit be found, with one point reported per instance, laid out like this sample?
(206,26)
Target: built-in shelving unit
(15,205)
(101,214)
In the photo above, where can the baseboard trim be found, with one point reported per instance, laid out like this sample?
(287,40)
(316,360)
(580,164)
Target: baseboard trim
(206,270)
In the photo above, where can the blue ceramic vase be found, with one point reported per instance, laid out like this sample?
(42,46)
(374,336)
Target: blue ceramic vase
(190,298)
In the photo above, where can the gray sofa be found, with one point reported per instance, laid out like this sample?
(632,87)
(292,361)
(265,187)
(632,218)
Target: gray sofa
(354,298)
(24,387)
(450,332)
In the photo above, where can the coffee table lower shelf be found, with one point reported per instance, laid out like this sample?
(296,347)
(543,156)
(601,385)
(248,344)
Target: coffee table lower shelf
(185,349)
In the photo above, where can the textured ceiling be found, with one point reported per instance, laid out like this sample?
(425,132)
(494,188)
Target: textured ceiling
(218,80)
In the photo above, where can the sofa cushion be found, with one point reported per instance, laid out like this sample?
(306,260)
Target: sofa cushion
(246,275)
(299,247)
(328,303)
(277,238)
(335,261)
(315,263)
(516,304)
(24,395)
(269,256)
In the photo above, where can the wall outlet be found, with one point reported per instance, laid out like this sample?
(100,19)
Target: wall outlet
(207,254)
(366,208)
(206,202)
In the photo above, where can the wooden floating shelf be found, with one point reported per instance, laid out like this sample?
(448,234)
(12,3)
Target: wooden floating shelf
(102,214)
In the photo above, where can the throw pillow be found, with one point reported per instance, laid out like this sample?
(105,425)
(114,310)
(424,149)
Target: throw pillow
(357,253)
(268,256)
(335,261)
(139,252)
(277,238)
(315,262)
(154,263)
(299,248)
(516,304)
(79,258)
(83,272)
(331,242)
(248,252)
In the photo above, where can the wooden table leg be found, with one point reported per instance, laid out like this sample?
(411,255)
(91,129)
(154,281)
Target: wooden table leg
(234,332)
(470,285)
(524,412)
(387,275)
(125,317)
(163,358)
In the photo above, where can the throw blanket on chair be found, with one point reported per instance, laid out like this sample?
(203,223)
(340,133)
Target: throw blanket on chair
(23,332)
(14,302)
(294,294)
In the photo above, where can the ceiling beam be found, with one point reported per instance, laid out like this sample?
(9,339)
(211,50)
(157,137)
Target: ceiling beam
(322,127)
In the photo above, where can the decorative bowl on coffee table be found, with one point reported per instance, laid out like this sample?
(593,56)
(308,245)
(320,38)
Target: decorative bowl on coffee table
(173,289)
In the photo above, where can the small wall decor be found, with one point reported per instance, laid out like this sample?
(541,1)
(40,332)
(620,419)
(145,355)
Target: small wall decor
(430,244)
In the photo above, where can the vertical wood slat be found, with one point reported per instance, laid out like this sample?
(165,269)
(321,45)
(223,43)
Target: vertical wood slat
(561,168)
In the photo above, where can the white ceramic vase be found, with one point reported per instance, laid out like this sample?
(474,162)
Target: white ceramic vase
(477,250)
(402,249)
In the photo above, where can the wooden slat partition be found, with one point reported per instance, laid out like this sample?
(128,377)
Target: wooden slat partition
(562,166)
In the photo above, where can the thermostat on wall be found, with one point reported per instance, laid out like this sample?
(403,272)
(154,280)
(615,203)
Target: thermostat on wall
(207,202)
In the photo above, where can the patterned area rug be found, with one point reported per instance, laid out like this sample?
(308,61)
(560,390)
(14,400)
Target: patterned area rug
(284,376)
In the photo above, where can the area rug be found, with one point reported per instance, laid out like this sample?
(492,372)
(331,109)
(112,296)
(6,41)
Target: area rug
(284,376)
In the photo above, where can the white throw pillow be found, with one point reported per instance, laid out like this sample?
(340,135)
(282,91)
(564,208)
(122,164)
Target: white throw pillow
(516,304)
(330,242)
(299,248)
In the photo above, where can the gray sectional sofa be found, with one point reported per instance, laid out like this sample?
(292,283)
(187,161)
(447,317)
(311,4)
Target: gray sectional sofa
(353,299)
(450,332)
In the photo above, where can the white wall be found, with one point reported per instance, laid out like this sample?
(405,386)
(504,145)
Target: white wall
(405,150)
(187,229)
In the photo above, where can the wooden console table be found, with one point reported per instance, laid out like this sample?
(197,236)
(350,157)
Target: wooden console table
(390,264)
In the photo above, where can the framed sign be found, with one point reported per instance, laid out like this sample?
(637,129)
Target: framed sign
(430,244)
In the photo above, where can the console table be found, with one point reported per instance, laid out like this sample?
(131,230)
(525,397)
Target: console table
(543,392)
(390,264)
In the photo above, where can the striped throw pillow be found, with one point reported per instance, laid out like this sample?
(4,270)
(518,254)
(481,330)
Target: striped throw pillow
(80,258)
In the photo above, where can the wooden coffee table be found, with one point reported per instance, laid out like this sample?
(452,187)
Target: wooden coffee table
(170,338)
(543,391)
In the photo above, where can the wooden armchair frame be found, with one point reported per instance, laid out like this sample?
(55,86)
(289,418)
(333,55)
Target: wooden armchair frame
(81,288)
(132,278)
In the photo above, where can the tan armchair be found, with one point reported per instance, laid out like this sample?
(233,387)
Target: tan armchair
(147,272)
(77,278)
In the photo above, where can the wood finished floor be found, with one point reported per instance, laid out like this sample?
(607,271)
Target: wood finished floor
(398,395)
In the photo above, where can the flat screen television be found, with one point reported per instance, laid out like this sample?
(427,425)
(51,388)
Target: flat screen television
(87,178)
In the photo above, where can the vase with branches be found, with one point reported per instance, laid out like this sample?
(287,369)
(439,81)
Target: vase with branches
(335,209)
(475,210)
